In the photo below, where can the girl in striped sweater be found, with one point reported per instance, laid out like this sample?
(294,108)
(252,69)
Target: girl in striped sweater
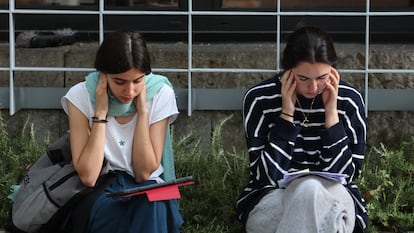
(304,118)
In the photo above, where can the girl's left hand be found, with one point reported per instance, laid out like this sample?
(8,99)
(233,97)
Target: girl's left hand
(330,98)
(141,101)
(330,92)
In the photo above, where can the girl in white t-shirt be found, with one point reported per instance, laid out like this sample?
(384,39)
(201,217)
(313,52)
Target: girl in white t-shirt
(121,114)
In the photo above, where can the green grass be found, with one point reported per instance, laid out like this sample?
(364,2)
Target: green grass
(16,156)
(209,205)
(387,183)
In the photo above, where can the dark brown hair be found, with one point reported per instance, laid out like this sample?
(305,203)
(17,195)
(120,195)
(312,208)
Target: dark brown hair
(121,51)
(308,44)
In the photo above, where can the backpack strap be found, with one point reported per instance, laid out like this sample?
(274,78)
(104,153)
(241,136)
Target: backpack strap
(59,151)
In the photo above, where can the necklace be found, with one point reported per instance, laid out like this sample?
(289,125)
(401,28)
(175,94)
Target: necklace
(305,122)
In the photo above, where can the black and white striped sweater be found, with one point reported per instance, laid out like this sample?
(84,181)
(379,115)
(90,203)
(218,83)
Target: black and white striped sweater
(276,146)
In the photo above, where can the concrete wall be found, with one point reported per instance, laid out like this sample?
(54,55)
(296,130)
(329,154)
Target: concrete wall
(381,125)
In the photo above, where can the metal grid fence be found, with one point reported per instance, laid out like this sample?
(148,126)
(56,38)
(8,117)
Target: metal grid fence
(102,12)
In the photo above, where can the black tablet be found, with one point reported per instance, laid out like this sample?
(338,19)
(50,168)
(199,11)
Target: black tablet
(130,191)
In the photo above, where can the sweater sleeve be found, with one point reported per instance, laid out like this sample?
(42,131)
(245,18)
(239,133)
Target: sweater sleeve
(343,145)
(270,144)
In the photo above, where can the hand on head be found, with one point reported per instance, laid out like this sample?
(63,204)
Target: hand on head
(141,100)
(288,92)
(101,108)
(330,92)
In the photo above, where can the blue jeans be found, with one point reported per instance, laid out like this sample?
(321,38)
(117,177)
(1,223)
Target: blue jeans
(133,214)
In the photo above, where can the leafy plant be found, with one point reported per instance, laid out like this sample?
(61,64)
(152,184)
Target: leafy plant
(387,181)
(16,156)
(209,205)
(388,185)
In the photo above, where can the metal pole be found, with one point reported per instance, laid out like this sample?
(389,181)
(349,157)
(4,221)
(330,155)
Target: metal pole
(190,57)
(12,58)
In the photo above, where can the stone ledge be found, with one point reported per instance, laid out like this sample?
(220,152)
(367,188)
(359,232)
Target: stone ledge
(209,55)
(217,55)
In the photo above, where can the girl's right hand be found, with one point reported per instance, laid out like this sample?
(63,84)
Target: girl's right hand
(101,108)
(288,93)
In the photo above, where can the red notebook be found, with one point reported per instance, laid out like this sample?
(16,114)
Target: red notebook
(157,192)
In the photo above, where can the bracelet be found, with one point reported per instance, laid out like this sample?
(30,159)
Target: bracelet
(97,120)
(282,113)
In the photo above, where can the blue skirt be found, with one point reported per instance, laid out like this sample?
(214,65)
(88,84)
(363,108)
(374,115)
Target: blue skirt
(133,214)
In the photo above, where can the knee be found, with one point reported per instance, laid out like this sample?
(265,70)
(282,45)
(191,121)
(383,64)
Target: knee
(318,189)
(307,185)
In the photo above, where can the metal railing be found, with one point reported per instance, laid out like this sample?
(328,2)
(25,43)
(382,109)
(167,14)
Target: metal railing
(18,96)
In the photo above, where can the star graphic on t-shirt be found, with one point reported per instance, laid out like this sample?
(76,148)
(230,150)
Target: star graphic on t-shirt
(121,142)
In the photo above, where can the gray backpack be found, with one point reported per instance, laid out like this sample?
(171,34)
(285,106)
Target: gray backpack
(49,185)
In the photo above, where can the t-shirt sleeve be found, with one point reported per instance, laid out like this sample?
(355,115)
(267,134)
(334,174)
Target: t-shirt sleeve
(78,96)
(164,105)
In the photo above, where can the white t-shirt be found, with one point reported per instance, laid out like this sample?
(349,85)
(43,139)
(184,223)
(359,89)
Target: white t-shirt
(119,137)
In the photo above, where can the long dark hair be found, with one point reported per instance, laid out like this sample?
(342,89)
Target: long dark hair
(121,51)
(308,44)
